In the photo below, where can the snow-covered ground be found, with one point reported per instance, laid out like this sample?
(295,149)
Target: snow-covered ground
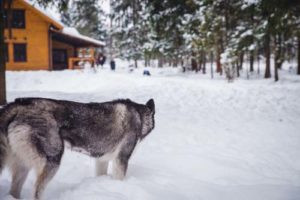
(213,140)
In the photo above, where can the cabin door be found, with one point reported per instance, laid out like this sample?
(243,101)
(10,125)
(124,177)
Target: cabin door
(60,59)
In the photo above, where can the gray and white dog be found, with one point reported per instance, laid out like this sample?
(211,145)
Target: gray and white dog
(35,131)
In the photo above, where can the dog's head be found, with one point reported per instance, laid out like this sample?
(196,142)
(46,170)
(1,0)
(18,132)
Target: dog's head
(148,118)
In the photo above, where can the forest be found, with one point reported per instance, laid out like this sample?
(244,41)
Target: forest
(209,30)
(196,32)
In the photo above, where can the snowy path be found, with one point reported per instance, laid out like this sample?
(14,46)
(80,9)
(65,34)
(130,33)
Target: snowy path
(212,140)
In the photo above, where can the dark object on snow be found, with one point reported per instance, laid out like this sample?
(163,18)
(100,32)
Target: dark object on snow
(146,72)
(112,65)
(102,60)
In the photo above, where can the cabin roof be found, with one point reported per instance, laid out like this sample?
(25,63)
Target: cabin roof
(64,33)
(69,35)
(43,14)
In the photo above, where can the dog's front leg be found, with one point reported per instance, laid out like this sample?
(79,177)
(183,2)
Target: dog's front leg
(119,168)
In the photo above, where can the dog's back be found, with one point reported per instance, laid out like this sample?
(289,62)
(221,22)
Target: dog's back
(37,128)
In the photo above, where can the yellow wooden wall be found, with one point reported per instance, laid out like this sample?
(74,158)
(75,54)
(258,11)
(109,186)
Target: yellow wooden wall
(35,35)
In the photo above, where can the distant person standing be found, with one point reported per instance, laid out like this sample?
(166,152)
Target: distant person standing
(112,65)
(102,60)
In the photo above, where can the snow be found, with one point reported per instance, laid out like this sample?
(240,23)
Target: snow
(74,33)
(212,140)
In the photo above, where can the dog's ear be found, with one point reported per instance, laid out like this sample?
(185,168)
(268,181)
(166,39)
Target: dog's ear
(150,104)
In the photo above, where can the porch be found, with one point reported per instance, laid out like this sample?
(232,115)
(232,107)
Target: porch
(69,50)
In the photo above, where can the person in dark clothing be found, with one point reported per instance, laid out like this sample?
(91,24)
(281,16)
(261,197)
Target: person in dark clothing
(102,60)
(112,65)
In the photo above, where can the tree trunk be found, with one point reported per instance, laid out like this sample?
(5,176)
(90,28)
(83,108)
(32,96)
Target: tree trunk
(170,62)
(2,57)
(258,64)
(175,62)
(241,61)
(276,73)
(218,62)
(204,63)
(135,63)
(251,61)
(237,69)
(194,65)
(277,57)
(211,64)
(199,67)
(146,61)
(9,18)
(298,71)
(160,62)
(267,55)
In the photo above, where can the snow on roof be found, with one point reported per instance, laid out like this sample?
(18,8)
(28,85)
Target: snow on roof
(74,33)
(65,30)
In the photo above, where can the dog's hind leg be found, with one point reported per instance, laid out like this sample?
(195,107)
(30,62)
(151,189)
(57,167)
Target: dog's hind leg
(45,174)
(19,175)
(38,145)
(101,167)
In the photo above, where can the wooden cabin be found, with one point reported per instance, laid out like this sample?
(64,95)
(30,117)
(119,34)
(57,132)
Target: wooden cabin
(36,41)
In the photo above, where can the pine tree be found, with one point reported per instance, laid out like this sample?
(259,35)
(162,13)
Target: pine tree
(87,17)
(129,28)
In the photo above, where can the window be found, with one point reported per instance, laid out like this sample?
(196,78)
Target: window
(6,52)
(18,18)
(20,52)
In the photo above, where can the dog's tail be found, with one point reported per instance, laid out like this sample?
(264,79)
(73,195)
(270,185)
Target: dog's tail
(7,114)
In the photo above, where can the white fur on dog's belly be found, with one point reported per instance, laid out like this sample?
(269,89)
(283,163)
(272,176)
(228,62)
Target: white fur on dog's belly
(105,157)
(77,149)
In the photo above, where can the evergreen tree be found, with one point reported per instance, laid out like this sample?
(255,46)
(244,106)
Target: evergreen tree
(129,28)
(87,17)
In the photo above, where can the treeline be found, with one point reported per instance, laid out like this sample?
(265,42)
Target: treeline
(226,32)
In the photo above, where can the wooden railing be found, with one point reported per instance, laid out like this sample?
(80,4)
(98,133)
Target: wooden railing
(87,57)
(73,60)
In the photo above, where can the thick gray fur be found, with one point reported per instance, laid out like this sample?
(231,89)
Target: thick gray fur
(35,131)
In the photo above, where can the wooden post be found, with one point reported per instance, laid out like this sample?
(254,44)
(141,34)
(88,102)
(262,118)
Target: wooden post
(70,63)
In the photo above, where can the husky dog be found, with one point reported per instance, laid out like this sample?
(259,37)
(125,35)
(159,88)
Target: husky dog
(35,131)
